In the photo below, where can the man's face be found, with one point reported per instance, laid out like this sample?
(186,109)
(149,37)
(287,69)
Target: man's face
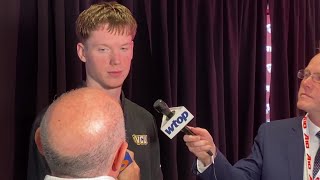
(309,92)
(108,58)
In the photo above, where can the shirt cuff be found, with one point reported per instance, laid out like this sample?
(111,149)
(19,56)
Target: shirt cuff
(200,166)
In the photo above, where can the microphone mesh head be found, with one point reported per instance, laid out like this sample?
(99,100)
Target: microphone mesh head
(160,106)
(163,108)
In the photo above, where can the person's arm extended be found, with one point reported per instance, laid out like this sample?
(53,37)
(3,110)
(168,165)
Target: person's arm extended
(219,167)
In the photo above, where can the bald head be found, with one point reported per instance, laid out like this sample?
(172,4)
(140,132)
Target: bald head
(315,59)
(81,132)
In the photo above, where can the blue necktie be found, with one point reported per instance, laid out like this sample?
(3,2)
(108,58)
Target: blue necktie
(316,164)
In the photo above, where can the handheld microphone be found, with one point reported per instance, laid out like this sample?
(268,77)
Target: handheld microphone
(126,161)
(162,107)
(174,119)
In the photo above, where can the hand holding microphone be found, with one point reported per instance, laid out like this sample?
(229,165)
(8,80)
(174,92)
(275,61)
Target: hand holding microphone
(126,161)
(129,168)
(201,144)
(175,120)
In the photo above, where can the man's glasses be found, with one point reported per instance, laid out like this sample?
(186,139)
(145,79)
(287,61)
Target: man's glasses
(305,74)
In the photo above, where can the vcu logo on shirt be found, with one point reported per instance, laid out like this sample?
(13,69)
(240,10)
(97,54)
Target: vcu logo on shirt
(140,139)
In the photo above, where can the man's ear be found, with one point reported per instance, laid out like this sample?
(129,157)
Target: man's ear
(81,52)
(37,139)
(119,157)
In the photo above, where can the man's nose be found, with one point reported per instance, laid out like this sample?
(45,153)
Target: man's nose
(307,81)
(115,59)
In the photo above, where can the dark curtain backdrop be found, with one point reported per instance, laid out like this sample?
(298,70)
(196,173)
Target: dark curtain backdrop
(206,55)
(295,39)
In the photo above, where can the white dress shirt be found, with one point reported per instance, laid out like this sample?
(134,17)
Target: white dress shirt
(95,178)
(314,145)
(200,166)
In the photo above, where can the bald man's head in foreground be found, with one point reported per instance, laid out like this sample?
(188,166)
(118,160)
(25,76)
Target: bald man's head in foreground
(82,135)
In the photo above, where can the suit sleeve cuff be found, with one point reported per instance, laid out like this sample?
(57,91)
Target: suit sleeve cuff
(200,166)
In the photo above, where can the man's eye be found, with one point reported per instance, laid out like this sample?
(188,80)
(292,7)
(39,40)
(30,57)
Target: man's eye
(103,49)
(306,74)
(316,77)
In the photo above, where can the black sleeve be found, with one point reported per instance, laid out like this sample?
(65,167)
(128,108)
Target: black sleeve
(37,165)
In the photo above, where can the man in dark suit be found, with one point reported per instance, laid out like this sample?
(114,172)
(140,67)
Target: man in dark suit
(285,149)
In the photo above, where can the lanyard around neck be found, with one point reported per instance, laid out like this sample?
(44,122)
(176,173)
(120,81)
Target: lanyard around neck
(308,156)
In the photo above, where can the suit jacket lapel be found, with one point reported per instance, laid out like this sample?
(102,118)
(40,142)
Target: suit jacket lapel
(296,151)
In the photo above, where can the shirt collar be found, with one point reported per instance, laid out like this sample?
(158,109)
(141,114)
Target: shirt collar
(313,129)
(48,177)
